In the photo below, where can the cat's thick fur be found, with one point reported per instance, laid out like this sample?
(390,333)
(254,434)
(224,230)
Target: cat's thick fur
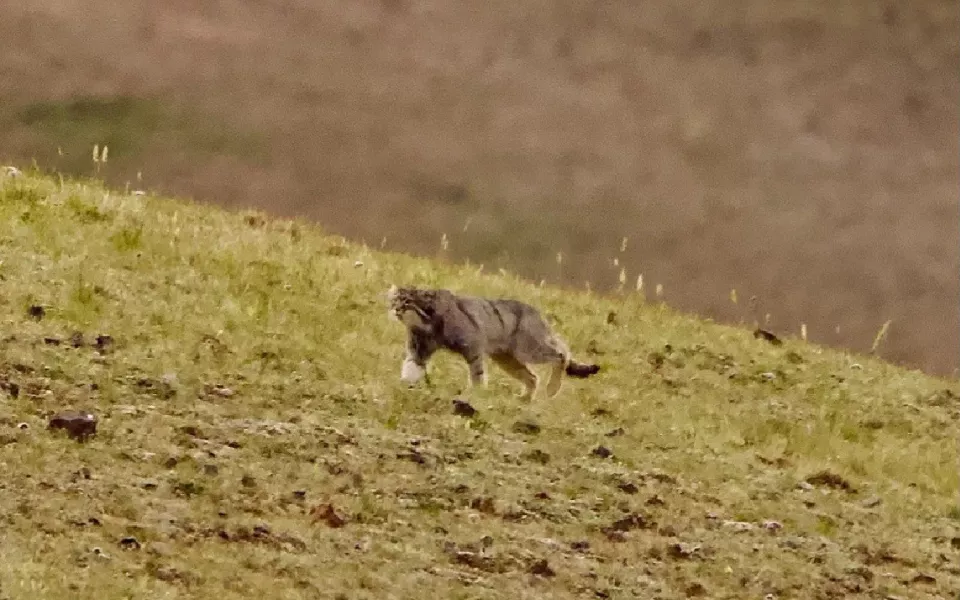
(512,333)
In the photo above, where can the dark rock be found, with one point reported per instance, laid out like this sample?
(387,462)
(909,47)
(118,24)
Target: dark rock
(924,578)
(763,334)
(695,590)
(104,343)
(327,514)
(683,551)
(628,487)
(76,339)
(191,430)
(526,428)
(580,545)
(629,523)
(830,479)
(36,312)
(615,432)
(537,455)
(130,543)
(542,568)
(78,425)
(462,408)
(484,504)
(602,452)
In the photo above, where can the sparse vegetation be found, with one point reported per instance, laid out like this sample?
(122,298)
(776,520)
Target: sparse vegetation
(254,440)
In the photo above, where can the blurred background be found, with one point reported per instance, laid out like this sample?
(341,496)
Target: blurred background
(802,152)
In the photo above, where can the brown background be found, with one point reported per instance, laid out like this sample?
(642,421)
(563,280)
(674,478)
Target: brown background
(803,152)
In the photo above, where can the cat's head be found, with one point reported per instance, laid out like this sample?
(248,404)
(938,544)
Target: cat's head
(411,306)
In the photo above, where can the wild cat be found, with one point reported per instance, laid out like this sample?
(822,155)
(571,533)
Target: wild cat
(510,332)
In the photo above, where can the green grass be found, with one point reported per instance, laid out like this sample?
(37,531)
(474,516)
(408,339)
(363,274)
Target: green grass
(128,126)
(253,381)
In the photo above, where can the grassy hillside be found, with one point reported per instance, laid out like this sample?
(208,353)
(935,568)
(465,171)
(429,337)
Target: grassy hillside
(255,440)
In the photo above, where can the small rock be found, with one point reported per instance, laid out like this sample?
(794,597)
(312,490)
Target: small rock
(542,569)
(462,408)
(484,504)
(537,455)
(191,430)
(52,340)
(327,514)
(830,479)
(413,455)
(211,470)
(526,428)
(104,343)
(148,484)
(36,312)
(130,543)
(580,546)
(772,525)
(601,412)
(872,502)
(768,336)
(78,425)
(602,452)
(667,531)
(803,485)
(615,536)
(611,318)
(924,578)
(615,432)
(955,543)
(224,392)
(628,487)
(628,523)
(300,494)
(655,500)
(248,481)
(683,551)
(76,339)
(695,590)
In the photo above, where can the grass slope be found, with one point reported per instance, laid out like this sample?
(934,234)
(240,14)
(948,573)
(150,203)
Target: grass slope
(255,440)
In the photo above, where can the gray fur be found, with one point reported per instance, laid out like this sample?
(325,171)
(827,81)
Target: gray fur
(512,333)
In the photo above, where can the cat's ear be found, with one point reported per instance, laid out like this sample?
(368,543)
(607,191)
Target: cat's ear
(392,292)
